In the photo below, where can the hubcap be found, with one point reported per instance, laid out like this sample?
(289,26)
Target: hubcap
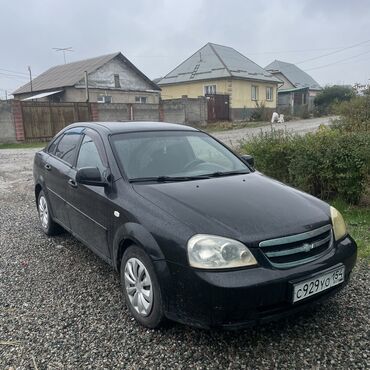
(138,286)
(43,212)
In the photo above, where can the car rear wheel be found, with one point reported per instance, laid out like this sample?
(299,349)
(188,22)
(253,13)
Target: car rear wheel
(47,224)
(141,288)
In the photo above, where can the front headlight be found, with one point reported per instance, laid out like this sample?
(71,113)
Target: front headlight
(216,252)
(339,225)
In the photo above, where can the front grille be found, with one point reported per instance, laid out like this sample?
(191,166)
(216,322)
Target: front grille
(294,250)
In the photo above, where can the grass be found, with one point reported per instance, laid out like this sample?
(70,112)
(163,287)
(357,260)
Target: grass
(23,145)
(358,223)
(228,125)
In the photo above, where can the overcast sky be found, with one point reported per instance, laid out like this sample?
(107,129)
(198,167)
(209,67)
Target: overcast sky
(158,35)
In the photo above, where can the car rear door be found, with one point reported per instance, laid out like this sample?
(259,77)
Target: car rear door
(89,205)
(62,155)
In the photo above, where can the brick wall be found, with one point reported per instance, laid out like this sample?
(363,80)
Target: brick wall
(18,120)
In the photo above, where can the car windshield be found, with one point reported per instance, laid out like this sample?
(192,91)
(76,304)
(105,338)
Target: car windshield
(174,156)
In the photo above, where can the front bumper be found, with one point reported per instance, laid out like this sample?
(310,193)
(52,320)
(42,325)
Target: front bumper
(245,297)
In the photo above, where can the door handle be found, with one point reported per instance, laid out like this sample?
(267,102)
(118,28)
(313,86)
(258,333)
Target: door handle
(47,167)
(72,183)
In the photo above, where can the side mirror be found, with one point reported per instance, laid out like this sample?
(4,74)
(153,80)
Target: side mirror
(248,159)
(90,176)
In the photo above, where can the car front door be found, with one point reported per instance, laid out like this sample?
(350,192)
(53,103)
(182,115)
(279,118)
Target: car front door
(89,205)
(62,153)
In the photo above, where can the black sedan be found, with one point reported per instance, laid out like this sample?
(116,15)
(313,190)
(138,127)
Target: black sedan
(196,233)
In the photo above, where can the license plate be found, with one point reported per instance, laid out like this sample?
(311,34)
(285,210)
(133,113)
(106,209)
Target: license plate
(318,284)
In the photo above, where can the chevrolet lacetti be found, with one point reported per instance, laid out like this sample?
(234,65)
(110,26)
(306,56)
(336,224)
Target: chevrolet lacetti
(197,235)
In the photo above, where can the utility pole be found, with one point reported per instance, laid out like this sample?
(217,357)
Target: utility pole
(6,95)
(29,70)
(87,87)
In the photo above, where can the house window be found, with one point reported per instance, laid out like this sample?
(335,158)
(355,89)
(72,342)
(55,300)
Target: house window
(269,93)
(209,89)
(254,92)
(117,83)
(140,99)
(104,99)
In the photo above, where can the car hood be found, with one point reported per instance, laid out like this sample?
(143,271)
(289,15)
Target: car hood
(249,207)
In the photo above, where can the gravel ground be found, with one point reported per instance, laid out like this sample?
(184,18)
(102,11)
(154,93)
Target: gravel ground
(61,308)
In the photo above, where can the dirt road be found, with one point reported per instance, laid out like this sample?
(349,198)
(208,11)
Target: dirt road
(233,137)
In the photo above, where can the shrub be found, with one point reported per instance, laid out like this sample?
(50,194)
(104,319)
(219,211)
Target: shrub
(354,114)
(331,95)
(260,113)
(327,164)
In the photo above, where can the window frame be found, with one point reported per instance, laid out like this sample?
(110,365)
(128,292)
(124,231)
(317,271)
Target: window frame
(254,87)
(138,99)
(60,138)
(213,87)
(96,138)
(269,88)
(101,99)
(117,82)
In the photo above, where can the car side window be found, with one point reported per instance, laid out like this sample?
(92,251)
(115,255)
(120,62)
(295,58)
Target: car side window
(67,146)
(54,144)
(89,155)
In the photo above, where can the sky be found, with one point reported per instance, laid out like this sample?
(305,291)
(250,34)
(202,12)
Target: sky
(328,39)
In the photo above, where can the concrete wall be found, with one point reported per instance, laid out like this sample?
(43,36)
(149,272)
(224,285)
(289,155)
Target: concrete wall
(174,111)
(113,112)
(145,112)
(185,110)
(240,91)
(7,128)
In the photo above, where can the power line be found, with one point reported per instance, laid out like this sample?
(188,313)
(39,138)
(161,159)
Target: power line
(15,72)
(333,52)
(15,77)
(338,61)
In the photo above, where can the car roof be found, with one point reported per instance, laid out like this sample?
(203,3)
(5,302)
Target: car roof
(133,126)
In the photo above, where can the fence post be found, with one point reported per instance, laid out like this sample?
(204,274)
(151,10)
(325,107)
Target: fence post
(184,99)
(18,120)
(161,111)
(131,111)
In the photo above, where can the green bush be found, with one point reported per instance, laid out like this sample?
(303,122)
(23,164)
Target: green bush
(328,164)
(331,95)
(354,114)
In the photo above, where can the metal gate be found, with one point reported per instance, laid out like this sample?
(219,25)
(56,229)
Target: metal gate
(42,120)
(218,107)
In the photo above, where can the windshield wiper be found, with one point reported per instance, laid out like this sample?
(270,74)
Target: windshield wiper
(228,173)
(168,178)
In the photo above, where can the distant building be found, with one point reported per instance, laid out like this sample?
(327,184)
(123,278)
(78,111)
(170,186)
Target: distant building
(298,89)
(224,75)
(111,79)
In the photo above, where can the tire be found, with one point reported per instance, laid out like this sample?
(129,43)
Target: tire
(49,227)
(141,288)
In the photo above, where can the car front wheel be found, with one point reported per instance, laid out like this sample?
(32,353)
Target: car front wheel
(141,288)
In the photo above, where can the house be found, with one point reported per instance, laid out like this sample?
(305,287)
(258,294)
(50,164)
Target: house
(225,76)
(111,78)
(298,90)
